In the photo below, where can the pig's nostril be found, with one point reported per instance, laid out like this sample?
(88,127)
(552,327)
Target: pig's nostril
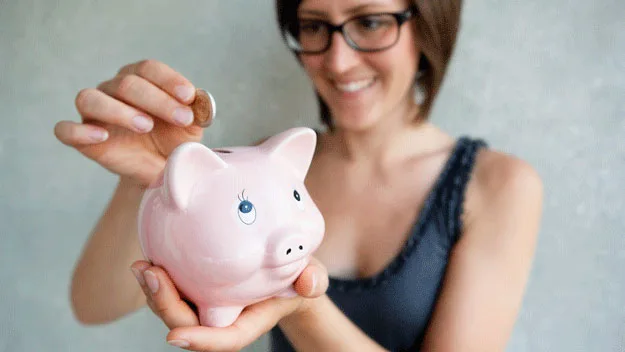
(288,251)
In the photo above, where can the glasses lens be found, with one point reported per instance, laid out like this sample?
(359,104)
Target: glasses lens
(372,32)
(308,36)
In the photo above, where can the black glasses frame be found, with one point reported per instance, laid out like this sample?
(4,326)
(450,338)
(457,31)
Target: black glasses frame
(400,17)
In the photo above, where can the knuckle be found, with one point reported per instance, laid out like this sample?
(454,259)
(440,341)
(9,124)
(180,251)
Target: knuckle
(162,311)
(132,67)
(160,308)
(106,85)
(126,84)
(155,307)
(144,67)
(150,304)
(126,68)
(84,99)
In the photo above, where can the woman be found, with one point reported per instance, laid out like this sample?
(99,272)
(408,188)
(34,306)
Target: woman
(429,239)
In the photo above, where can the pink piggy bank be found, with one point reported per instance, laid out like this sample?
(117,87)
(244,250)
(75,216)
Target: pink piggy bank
(233,226)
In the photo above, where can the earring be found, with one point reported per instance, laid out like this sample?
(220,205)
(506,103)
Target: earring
(419,92)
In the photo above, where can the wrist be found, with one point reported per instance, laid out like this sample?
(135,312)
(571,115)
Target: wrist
(131,185)
(129,192)
(305,311)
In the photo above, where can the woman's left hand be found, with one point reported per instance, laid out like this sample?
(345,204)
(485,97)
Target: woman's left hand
(185,331)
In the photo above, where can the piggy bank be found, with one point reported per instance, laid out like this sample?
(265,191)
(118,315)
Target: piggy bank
(233,226)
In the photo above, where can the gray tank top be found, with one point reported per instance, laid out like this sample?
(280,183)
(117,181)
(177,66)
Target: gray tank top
(395,306)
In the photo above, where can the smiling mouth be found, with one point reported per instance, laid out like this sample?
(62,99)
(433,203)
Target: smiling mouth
(290,269)
(354,86)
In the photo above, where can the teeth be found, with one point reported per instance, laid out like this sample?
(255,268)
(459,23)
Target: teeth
(354,86)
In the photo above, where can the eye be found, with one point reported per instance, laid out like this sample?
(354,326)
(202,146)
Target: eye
(298,199)
(246,206)
(373,23)
(310,27)
(246,210)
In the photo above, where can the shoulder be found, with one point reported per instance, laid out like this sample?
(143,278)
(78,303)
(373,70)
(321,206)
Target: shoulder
(502,178)
(503,189)
(500,175)
(491,262)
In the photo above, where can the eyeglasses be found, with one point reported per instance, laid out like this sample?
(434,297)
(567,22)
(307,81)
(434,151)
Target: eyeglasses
(366,33)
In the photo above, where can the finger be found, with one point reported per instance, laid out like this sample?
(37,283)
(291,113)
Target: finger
(164,77)
(164,299)
(74,134)
(145,96)
(253,322)
(93,104)
(313,281)
(138,268)
(167,302)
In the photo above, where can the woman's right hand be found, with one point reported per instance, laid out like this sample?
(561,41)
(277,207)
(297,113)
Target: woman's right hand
(132,122)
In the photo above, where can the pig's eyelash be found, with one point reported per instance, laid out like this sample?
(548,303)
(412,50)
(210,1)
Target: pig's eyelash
(242,196)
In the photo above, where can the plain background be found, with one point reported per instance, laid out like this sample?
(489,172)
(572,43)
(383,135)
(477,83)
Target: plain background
(542,79)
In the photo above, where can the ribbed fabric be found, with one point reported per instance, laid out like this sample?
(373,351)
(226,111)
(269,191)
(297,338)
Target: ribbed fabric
(395,306)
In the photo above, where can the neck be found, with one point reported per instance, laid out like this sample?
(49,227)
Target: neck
(384,143)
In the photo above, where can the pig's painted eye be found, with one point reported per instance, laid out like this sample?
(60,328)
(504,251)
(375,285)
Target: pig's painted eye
(246,206)
(246,211)
(298,198)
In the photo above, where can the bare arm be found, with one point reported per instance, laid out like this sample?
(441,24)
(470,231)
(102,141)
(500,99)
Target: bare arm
(103,287)
(486,278)
(489,268)
(311,321)
(129,125)
(321,326)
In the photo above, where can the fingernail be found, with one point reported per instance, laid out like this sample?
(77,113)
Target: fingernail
(151,280)
(184,93)
(183,116)
(179,343)
(138,276)
(98,135)
(142,123)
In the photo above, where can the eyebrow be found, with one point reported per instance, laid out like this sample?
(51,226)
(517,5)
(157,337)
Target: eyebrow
(350,11)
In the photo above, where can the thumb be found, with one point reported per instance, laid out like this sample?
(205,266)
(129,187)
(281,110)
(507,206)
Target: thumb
(313,281)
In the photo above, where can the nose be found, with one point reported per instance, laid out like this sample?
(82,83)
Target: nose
(288,249)
(340,57)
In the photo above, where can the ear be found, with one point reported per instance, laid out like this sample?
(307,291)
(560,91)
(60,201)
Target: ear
(294,147)
(186,165)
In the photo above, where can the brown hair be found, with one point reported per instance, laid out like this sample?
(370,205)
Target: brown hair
(437,23)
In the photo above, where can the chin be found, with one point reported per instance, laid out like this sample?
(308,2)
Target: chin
(355,121)
(355,110)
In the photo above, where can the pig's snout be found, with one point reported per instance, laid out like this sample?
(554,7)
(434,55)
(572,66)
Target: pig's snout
(288,249)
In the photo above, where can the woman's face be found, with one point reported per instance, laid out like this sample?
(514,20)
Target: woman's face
(360,88)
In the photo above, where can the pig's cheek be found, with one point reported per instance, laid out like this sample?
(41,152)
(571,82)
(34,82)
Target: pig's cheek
(226,259)
(312,223)
(239,269)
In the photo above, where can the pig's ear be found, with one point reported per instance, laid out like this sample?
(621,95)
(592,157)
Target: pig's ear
(294,147)
(186,165)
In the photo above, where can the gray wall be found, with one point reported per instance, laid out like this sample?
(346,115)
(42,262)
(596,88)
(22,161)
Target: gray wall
(544,80)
